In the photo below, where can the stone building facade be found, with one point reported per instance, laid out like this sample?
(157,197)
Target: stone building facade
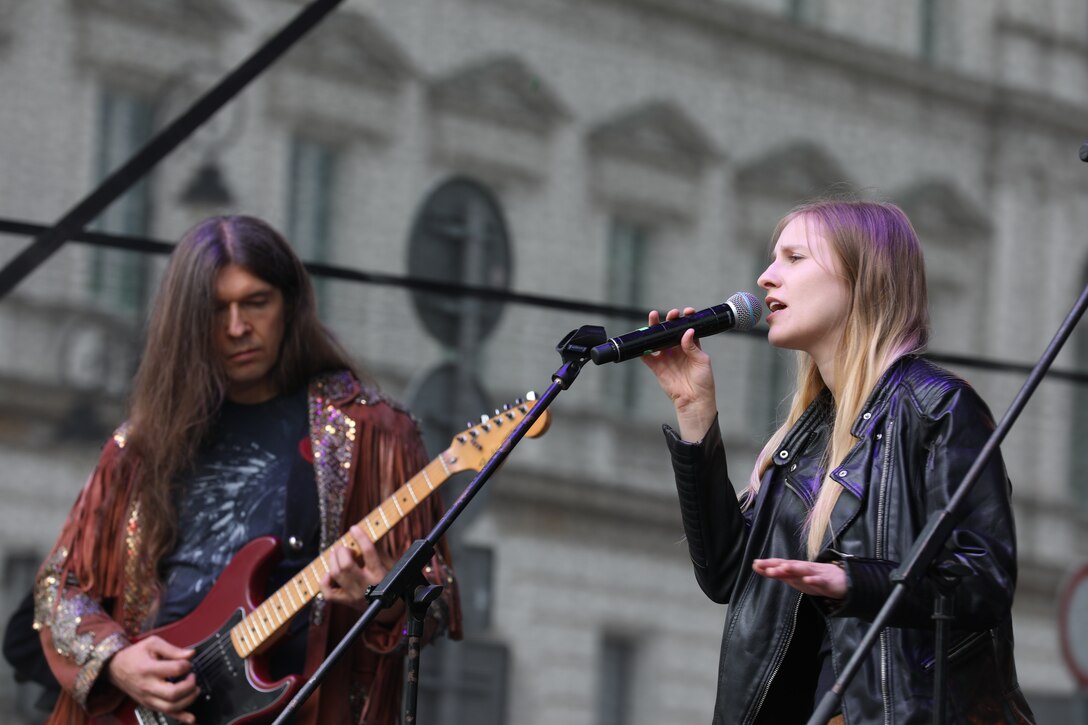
(639,153)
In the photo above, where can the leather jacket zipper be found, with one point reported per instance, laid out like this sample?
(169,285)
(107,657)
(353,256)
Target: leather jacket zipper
(881,535)
(778,657)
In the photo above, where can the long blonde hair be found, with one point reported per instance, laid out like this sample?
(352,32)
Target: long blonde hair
(881,262)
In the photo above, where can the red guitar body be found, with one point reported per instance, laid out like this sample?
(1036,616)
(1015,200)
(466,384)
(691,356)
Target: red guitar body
(232,690)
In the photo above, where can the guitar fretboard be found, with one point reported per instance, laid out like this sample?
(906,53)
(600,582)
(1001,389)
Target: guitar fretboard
(262,625)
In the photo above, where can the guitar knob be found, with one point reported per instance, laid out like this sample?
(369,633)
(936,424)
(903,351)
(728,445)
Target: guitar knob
(295,543)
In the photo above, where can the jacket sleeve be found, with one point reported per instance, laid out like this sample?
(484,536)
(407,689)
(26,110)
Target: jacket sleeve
(400,454)
(78,634)
(390,450)
(714,525)
(981,551)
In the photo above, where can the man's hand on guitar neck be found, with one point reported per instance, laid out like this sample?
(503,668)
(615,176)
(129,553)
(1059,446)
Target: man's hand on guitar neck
(157,675)
(347,581)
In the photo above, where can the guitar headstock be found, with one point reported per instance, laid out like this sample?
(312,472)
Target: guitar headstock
(473,447)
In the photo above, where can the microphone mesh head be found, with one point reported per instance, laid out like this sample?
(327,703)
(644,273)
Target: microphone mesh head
(748,310)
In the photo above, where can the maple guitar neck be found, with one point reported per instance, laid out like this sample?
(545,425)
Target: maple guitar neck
(469,450)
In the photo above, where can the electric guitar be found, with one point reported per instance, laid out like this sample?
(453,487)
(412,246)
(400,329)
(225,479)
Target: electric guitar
(230,631)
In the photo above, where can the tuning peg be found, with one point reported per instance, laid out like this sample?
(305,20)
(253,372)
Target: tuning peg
(469,424)
(517,401)
(505,406)
(531,395)
(484,418)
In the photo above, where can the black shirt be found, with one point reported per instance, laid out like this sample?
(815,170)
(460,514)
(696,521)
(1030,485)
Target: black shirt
(237,491)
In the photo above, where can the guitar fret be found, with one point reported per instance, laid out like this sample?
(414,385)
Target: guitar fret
(412,492)
(267,619)
(442,460)
(274,613)
(374,536)
(302,593)
(262,622)
(255,630)
(427,479)
(386,520)
(400,511)
(288,606)
(238,637)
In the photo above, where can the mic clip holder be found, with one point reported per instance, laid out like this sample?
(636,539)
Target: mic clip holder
(578,344)
(575,349)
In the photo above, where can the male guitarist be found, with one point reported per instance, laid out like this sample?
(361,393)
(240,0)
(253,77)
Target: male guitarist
(246,420)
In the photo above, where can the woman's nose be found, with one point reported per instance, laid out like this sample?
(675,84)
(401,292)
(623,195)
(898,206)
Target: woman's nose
(767,280)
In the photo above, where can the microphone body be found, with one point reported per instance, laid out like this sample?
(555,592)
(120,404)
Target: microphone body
(740,312)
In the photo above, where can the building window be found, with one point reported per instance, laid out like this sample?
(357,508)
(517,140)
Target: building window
(617,669)
(628,246)
(937,31)
(805,12)
(311,202)
(119,279)
(927,31)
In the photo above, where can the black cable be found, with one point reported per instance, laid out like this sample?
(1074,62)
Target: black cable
(121,180)
(454,289)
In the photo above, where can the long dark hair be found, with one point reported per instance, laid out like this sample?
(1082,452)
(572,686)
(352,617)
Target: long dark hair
(181,384)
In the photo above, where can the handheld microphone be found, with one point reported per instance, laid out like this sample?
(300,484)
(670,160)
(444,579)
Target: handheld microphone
(740,312)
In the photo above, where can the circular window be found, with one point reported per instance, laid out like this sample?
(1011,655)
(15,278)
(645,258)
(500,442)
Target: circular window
(459,236)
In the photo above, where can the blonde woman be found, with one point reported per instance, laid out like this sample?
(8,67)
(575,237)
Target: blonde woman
(876,439)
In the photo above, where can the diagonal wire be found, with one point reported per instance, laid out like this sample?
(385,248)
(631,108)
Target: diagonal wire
(117,183)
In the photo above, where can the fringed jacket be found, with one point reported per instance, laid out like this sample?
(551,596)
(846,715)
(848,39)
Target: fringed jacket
(96,592)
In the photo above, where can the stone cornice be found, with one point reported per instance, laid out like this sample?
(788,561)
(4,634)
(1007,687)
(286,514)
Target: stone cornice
(726,23)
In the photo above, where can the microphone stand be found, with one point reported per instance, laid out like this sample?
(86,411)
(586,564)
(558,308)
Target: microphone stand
(933,537)
(406,579)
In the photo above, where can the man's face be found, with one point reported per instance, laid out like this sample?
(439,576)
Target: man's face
(249,327)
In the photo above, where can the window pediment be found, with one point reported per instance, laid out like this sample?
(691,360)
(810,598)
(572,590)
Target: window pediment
(503,89)
(937,208)
(648,161)
(658,134)
(796,172)
(352,47)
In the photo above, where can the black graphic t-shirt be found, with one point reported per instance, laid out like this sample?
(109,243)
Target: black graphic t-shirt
(238,491)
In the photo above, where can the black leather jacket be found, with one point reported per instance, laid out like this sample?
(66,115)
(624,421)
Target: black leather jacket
(920,431)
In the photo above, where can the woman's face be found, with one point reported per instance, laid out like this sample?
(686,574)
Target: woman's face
(807,297)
